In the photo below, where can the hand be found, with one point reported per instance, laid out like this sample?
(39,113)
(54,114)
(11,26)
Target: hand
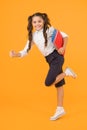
(12,53)
(61,51)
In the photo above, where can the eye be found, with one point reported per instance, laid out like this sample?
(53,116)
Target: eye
(34,22)
(39,21)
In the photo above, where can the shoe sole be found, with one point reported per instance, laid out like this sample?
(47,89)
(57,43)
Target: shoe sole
(73,73)
(58,116)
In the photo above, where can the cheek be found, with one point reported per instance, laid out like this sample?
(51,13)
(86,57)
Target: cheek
(33,24)
(42,24)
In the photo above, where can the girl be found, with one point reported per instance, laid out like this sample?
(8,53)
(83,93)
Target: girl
(42,37)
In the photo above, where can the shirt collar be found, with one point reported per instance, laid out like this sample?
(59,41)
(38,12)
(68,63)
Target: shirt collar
(41,30)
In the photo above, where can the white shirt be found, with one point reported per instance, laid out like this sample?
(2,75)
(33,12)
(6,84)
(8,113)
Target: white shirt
(39,40)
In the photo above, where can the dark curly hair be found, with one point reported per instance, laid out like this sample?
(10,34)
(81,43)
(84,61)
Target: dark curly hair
(44,16)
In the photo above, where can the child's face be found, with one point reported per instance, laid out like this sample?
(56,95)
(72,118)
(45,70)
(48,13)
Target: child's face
(37,23)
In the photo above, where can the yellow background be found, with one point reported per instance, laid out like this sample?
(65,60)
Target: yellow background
(25,102)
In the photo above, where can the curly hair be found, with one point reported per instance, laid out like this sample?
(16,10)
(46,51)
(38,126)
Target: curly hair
(44,16)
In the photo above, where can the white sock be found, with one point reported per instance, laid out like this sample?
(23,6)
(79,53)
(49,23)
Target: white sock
(59,107)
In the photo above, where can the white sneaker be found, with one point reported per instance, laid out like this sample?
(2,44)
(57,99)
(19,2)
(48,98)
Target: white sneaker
(70,72)
(59,112)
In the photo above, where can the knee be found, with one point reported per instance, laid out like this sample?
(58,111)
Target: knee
(48,83)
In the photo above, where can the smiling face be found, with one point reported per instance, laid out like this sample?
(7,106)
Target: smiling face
(37,22)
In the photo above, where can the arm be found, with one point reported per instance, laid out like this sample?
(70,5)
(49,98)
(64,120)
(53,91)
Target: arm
(65,42)
(21,53)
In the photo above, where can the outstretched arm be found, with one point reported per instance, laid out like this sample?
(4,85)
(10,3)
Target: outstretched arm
(21,53)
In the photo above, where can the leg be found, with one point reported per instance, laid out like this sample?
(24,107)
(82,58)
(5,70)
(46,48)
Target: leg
(51,80)
(67,72)
(55,75)
(60,93)
(60,96)
(60,110)
(59,77)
